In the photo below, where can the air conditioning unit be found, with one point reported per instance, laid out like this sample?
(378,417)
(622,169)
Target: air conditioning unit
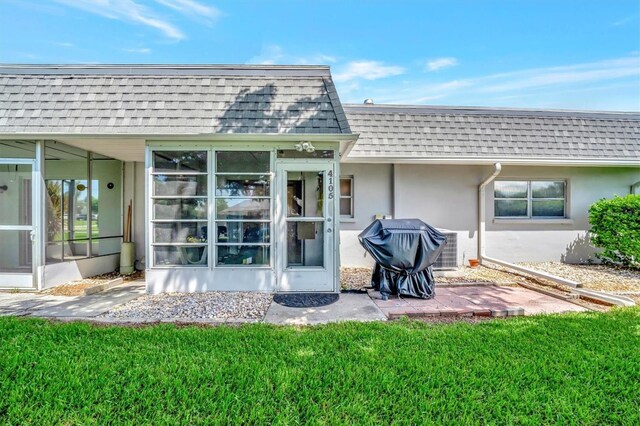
(449,257)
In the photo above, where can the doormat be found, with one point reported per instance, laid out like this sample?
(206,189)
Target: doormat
(305,300)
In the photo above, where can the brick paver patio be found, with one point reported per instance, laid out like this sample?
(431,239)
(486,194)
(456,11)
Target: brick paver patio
(482,300)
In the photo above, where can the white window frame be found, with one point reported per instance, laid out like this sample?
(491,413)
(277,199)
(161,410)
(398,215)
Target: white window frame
(214,216)
(152,198)
(211,197)
(350,197)
(529,199)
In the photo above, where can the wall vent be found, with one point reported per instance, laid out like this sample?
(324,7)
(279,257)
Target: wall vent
(449,257)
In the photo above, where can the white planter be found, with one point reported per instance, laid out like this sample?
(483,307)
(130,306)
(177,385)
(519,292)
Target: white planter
(127,258)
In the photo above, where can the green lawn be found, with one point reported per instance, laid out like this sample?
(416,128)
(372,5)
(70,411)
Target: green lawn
(571,369)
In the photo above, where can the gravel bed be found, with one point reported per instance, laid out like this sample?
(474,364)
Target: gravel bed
(355,278)
(360,278)
(210,305)
(596,277)
(480,274)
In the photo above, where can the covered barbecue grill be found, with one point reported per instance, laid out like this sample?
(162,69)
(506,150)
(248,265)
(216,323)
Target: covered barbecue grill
(404,250)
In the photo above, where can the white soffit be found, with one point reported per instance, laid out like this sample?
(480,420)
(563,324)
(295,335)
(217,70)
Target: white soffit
(120,149)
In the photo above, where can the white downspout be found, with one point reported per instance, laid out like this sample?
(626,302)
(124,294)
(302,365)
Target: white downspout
(482,209)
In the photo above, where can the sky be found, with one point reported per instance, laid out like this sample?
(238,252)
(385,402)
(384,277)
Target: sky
(565,54)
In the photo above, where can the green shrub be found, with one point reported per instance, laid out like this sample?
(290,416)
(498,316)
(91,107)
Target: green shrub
(615,228)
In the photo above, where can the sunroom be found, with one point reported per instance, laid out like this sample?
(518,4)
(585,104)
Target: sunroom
(233,216)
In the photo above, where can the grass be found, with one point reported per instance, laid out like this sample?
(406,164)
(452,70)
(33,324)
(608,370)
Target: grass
(572,369)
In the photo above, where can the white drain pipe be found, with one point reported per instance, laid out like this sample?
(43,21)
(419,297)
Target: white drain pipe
(482,209)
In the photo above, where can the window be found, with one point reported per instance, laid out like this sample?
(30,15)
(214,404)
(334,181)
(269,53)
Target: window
(346,196)
(243,208)
(83,205)
(179,214)
(530,199)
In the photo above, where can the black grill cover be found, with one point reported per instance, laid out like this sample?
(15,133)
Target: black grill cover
(404,250)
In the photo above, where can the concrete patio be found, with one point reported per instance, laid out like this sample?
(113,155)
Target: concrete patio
(481,300)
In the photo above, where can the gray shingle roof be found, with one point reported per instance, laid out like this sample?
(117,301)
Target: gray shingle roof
(388,131)
(169,100)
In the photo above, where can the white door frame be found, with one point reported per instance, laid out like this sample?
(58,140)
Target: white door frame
(25,280)
(306,278)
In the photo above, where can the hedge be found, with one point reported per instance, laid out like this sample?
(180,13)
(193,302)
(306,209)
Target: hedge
(615,228)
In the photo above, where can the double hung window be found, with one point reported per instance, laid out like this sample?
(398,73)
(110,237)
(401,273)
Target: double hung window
(533,199)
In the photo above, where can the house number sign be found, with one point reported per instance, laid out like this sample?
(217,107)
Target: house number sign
(330,187)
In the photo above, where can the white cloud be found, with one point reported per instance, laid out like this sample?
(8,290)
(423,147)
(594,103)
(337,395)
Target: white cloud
(562,75)
(143,50)
(572,84)
(192,9)
(367,70)
(63,44)
(129,11)
(439,63)
(624,21)
(269,55)
(273,54)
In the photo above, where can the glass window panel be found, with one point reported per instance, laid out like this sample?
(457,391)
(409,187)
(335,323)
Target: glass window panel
(345,207)
(194,256)
(547,189)
(190,208)
(243,232)
(243,208)
(106,198)
(511,208)
(54,252)
(95,209)
(16,251)
(548,208)
(243,255)
(105,246)
(76,209)
(17,149)
(74,250)
(511,189)
(15,194)
(305,194)
(243,161)
(54,209)
(180,161)
(180,185)
(305,243)
(294,153)
(242,185)
(180,232)
(345,187)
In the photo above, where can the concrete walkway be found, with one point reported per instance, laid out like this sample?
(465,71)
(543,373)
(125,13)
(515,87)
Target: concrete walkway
(481,300)
(349,307)
(47,306)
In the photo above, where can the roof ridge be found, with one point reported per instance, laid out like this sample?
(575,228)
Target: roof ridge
(534,112)
(165,69)
(338,110)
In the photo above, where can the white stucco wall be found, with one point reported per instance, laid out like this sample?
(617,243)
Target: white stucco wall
(373,195)
(445,196)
